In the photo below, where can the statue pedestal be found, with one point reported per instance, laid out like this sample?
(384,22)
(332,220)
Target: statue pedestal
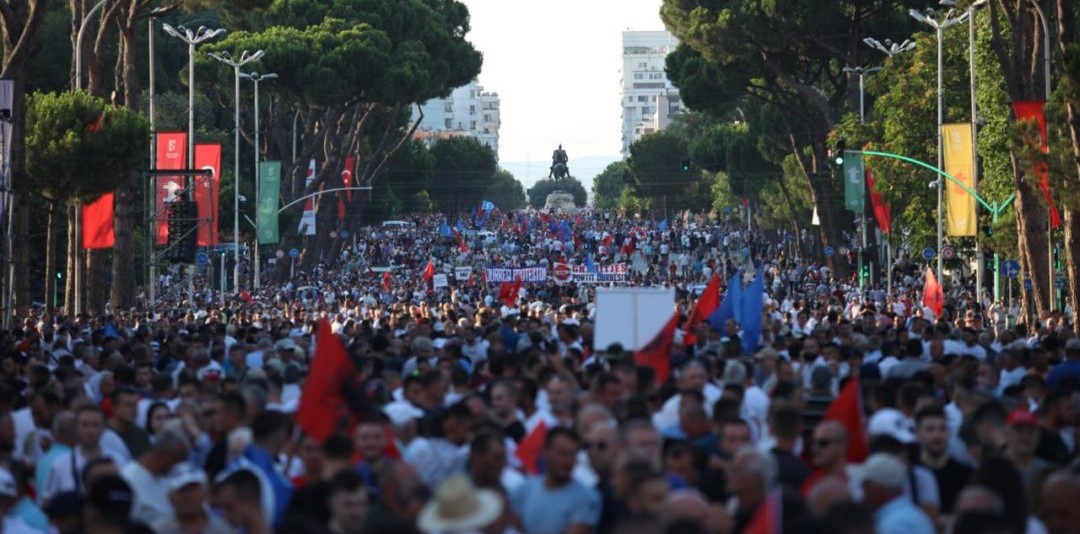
(560,202)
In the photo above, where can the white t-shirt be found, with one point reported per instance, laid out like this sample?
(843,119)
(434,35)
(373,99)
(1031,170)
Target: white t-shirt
(66,473)
(151,493)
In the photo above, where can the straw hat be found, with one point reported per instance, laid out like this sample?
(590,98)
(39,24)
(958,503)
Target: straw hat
(458,506)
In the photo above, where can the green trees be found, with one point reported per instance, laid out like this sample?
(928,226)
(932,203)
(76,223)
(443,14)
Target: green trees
(78,147)
(353,70)
(539,192)
(610,183)
(505,191)
(464,169)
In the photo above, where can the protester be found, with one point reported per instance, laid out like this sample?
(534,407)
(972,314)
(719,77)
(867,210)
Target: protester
(370,393)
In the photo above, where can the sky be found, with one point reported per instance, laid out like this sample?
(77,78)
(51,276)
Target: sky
(555,65)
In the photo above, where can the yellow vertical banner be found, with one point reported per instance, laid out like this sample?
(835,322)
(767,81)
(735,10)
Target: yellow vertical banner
(960,164)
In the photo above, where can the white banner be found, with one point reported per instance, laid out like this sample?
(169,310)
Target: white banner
(462,273)
(439,280)
(307,220)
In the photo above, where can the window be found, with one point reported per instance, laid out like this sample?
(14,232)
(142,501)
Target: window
(472,93)
(639,76)
(646,110)
(449,123)
(642,98)
(656,76)
(643,65)
(448,107)
(630,99)
(654,98)
(472,110)
(472,125)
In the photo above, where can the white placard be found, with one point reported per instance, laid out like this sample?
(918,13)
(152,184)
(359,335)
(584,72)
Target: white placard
(439,280)
(631,316)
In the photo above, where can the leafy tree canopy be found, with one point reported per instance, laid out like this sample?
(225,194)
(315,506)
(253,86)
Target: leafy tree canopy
(79,147)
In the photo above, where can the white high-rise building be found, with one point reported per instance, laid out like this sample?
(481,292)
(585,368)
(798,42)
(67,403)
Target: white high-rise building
(649,100)
(468,111)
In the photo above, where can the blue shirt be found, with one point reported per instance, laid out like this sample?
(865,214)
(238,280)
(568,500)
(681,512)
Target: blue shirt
(41,472)
(1062,370)
(546,510)
(901,516)
(28,511)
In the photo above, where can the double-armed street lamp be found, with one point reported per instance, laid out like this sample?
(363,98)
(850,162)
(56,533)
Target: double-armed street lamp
(255,77)
(193,38)
(244,58)
(891,49)
(931,18)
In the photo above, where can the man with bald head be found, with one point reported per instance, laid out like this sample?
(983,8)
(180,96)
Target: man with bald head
(829,450)
(1058,509)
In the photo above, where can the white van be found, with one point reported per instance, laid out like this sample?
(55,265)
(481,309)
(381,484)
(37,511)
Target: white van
(396,224)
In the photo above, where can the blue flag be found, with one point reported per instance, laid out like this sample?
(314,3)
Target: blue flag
(444,229)
(753,303)
(487,205)
(565,234)
(726,309)
(459,225)
(590,266)
(663,225)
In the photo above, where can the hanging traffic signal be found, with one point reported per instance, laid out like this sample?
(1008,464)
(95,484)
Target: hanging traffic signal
(686,165)
(865,272)
(838,151)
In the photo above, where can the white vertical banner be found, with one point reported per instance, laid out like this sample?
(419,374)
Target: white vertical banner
(7,103)
(307,220)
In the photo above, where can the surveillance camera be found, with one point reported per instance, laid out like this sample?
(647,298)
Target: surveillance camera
(934,184)
(243,198)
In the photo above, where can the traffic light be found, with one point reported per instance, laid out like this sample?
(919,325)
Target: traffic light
(864,273)
(838,151)
(182,234)
(686,165)
(988,230)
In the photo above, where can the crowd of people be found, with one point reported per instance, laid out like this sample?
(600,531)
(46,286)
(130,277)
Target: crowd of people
(465,405)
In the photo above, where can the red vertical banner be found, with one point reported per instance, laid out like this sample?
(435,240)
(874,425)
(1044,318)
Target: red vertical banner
(882,210)
(208,157)
(98,223)
(171,154)
(347,175)
(1034,110)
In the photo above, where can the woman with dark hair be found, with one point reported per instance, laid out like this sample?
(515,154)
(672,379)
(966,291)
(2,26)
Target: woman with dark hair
(156,416)
(999,475)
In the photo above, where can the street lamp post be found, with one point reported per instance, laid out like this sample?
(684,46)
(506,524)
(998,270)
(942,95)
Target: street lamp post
(891,49)
(255,77)
(236,64)
(862,72)
(929,17)
(76,278)
(193,39)
(1046,98)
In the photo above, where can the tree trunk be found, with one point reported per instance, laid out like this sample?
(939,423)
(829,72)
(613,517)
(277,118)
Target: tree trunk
(50,254)
(72,262)
(1067,36)
(129,77)
(97,282)
(1072,257)
(123,266)
(1031,217)
(21,22)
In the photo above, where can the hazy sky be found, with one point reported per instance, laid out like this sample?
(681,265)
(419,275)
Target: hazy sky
(557,86)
